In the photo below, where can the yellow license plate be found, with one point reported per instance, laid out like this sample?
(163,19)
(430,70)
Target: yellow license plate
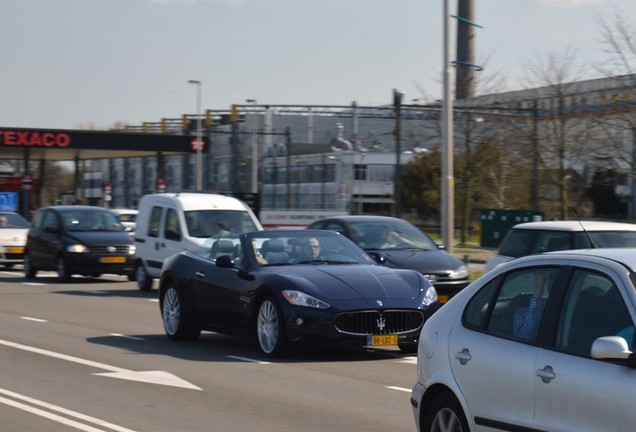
(13,250)
(379,340)
(113,260)
(442,298)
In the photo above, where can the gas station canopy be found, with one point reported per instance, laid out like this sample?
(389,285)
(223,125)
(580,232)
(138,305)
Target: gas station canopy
(65,145)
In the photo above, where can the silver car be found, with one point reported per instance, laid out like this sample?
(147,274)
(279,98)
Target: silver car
(543,342)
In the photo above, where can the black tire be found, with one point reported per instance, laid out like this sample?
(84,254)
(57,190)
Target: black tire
(62,269)
(29,270)
(131,277)
(444,414)
(178,322)
(144,281)
(270,328)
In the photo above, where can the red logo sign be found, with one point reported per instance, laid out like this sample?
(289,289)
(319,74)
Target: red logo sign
(35,139)
(197,144)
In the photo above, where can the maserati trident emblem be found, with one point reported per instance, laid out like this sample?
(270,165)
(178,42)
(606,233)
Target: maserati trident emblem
(381,323)
(111,249)
(379,303)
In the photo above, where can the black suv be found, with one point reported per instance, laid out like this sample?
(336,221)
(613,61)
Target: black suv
(82,240)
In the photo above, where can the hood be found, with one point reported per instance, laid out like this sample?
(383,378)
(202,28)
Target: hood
(18,235)
(100,238)
(424,261)
(354,282)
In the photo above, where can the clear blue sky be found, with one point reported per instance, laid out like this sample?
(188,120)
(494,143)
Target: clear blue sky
(92,63)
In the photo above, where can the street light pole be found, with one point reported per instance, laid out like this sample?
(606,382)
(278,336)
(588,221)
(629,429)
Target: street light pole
(448,195)
(199,140)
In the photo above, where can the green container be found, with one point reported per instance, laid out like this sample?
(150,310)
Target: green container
(495,223)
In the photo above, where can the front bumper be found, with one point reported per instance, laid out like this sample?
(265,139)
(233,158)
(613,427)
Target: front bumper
(11,254)
(91,264)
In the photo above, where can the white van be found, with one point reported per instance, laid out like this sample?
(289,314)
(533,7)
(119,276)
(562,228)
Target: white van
(169,223)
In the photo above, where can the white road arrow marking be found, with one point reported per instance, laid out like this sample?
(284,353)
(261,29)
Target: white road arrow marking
(150,377)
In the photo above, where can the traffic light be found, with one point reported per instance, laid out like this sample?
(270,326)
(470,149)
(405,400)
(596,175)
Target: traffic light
(208,117)
(184,122)
(164,125)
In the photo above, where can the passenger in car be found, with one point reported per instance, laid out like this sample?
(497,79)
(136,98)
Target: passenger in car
(526,319)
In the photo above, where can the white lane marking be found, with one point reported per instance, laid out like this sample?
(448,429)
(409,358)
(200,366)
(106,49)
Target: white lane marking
(248,359)
(154,300)
(58,409)
(33,319)
(152,377)
(127,337)
(402,389)
(33,283)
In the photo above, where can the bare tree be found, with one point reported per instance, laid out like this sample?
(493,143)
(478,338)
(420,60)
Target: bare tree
(565,137)
(617,125)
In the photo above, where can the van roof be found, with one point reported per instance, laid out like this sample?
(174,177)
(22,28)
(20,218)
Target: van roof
(577,226)
(199,201)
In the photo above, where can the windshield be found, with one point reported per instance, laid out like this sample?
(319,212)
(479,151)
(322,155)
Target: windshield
(12,220)
(90,220)
(391,235)
(300,247)
(212,223)
(285,248)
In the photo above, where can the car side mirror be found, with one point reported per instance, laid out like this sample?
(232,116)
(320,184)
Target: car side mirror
(612,348)
(380,258)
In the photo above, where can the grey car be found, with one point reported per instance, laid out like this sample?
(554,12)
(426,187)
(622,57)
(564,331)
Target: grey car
(543,342)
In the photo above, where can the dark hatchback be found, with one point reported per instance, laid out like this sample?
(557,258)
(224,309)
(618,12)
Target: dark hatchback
(83,240)
(405,246)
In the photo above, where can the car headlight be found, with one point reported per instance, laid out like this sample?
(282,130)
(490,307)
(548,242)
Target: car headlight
(77,248)
(132,249)
(299,298)
(430,296)
(460,272)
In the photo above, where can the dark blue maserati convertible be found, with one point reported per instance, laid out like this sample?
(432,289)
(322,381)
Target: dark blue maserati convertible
(288,286)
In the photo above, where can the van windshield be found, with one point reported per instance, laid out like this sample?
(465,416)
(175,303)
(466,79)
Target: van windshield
(210,223)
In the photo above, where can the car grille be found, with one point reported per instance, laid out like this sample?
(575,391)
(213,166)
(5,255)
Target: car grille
(379,322)
(104,249)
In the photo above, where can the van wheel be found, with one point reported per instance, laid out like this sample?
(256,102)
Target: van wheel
(29,269)
(144,281)
(62,270)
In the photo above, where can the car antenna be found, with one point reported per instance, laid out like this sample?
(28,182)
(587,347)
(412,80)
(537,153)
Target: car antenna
(580,223)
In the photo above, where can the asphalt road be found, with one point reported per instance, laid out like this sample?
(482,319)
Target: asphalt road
(91,355)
